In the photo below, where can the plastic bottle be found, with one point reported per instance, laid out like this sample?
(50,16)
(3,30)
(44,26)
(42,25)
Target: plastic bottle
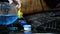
(27,29)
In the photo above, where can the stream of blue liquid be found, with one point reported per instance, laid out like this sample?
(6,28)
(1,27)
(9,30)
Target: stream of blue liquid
(8,19)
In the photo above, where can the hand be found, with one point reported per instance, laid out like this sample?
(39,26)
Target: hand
(10,1)
(18,3)
(18,6)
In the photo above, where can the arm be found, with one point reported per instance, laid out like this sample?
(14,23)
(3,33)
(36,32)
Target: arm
(16,2)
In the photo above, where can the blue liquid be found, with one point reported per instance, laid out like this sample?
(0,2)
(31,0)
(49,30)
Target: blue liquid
(22,22)
(12,28)
(7,19)
(27,32)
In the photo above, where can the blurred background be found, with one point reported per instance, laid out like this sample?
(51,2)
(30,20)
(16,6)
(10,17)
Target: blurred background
(31,6)
(43,15)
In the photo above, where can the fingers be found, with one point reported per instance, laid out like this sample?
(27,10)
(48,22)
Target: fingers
(10,1)
(18,3)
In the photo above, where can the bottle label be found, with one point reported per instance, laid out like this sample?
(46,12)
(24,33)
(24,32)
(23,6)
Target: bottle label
(27,27)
